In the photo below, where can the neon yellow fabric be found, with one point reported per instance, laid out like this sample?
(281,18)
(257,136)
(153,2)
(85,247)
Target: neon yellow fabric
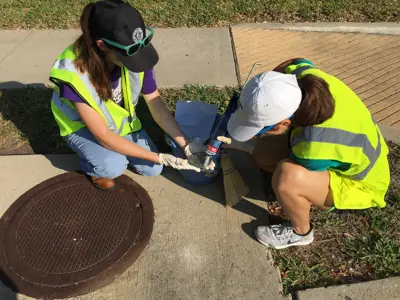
(121,120)
(65,123)
(351,119)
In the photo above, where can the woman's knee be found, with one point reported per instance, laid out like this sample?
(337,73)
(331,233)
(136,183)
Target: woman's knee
(111,166)
(291,179)
(288,177)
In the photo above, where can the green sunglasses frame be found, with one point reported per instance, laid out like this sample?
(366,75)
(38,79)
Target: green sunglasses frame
(127,48)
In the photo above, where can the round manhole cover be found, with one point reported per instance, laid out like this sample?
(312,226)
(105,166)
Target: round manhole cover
(65,238)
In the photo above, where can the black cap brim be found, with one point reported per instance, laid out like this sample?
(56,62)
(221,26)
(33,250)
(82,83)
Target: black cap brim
(144,60)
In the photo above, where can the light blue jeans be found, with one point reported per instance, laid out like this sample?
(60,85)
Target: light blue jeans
(101,162)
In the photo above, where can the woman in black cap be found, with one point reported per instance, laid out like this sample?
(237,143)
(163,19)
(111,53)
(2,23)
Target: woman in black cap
(98,81)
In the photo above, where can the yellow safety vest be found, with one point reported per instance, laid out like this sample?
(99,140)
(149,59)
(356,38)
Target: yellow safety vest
(350,136)
(120,120)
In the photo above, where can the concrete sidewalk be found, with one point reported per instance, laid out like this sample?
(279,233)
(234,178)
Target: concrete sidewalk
(387,289)
(368,63)
(198,250)
(187,56)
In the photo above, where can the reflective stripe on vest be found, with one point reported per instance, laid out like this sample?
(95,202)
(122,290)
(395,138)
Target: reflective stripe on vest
(68,65)
(344,138)
(134,80)
(72,114)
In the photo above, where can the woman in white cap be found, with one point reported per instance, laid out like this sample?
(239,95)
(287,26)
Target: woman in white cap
(338,156)
(98,80)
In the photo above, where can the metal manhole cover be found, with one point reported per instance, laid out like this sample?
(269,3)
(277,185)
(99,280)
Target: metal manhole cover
(65,238)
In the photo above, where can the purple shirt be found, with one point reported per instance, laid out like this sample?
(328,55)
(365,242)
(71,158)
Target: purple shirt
(149,86)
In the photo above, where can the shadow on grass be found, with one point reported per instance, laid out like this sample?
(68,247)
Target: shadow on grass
(27,125)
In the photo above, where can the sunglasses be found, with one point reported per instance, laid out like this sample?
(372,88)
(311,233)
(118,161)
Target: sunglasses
(134,48)
(268,128)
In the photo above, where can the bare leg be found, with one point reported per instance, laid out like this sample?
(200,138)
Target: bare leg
(297,188)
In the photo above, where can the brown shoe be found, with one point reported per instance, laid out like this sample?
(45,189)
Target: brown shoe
(105,184)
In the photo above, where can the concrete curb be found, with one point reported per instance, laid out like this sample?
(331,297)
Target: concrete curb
(372,28)
(390,133)
(187,56)
(222,261)
(387,289)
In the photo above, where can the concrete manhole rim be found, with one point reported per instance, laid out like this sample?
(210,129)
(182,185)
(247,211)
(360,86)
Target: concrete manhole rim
(104,276)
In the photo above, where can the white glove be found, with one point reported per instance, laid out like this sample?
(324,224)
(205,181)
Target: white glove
(198,149)
(169,160)
(233,144)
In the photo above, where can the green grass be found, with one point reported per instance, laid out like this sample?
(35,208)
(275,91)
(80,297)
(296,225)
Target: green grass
(27,124)
(348,249)
(188,13)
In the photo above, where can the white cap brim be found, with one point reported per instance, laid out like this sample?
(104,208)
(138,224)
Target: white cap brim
(240,129)
(266,100)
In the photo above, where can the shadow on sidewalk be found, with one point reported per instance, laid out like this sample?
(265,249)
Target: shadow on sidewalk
(8,290)
(10,85)
(254,208)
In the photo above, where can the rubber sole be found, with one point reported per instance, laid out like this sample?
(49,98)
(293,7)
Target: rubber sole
(284,246)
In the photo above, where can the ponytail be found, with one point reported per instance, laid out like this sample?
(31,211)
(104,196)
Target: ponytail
(90,59)
(317,104)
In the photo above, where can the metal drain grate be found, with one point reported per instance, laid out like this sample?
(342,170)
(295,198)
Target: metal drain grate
(64,236)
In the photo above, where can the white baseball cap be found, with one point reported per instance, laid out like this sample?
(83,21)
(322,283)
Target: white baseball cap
(266,100)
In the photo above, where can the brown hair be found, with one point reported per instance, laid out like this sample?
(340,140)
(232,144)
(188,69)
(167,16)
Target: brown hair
(317,103)
(91,59)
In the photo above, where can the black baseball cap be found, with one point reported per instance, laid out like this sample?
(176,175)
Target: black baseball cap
(117,21)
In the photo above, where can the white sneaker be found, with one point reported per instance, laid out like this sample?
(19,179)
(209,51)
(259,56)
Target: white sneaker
(282,236)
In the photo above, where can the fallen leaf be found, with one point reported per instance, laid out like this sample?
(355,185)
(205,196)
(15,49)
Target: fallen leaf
(364,220)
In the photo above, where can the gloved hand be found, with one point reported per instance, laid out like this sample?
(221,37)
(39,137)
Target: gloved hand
(196,148)
(169,160)
(233,144)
